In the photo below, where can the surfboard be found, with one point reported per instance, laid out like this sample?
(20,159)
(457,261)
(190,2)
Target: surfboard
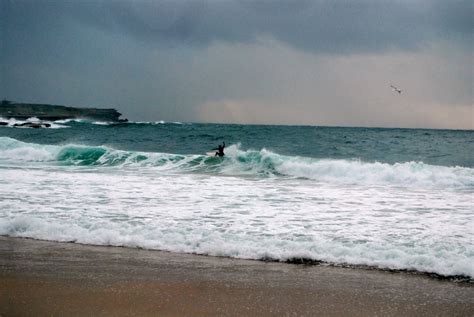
(211,153)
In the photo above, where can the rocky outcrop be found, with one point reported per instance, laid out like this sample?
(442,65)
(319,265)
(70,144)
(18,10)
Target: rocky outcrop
(47,112)
(34,125)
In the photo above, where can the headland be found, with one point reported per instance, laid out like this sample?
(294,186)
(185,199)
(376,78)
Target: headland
(48,112)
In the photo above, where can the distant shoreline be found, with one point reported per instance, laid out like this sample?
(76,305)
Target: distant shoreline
(48,112)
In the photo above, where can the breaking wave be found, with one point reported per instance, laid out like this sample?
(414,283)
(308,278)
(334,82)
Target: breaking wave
(18,123)
(238,162)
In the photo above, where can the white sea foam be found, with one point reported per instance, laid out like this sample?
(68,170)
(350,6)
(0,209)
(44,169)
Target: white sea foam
(408,173)
(426,230)
(11,122)
(349,171)
(149,122)
(84,120)
(102,122)
(62,121)
(156,122)
(13,151)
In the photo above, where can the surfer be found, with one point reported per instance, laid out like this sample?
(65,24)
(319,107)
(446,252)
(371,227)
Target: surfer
(220,150)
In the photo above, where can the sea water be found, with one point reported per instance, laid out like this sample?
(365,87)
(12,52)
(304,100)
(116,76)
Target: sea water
(398,199)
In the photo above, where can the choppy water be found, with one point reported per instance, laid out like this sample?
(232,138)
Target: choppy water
(386,198)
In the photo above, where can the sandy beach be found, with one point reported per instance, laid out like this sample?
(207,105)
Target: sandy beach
(41,278)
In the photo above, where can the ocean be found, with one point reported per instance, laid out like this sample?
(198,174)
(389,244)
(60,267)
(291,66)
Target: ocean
(390,199)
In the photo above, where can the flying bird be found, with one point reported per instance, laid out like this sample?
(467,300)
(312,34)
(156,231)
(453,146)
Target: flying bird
(396,89)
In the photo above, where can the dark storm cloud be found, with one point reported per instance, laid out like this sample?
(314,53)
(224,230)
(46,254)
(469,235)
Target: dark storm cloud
(311,62)
(317,26)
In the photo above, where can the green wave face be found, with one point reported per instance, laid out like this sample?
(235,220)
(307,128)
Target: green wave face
(102,156)
(238,162)
(81,156)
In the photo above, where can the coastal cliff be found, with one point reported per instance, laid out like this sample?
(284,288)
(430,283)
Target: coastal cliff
(23,111)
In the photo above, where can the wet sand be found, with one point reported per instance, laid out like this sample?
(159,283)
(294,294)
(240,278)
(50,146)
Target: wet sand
(39,278)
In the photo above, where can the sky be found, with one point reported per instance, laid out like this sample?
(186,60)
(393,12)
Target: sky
(296,62)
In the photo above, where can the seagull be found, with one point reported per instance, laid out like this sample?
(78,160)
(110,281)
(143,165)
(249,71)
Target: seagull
(396,89)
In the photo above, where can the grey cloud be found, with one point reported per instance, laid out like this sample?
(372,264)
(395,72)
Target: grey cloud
(316,26)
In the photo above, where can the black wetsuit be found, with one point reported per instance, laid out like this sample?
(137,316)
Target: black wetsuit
(220,150)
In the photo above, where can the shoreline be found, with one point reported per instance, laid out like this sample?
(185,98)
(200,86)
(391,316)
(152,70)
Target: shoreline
(54,278)
(463,279)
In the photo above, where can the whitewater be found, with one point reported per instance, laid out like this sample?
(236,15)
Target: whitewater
(262,203)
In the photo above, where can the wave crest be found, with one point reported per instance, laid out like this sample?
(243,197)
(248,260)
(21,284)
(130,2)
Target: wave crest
(240,162)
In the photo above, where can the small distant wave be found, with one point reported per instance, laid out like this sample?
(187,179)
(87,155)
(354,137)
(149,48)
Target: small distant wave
(12,122)
(148,122)
(238,162)
(88,121)
(70,120)
(108,123)
(155,122)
